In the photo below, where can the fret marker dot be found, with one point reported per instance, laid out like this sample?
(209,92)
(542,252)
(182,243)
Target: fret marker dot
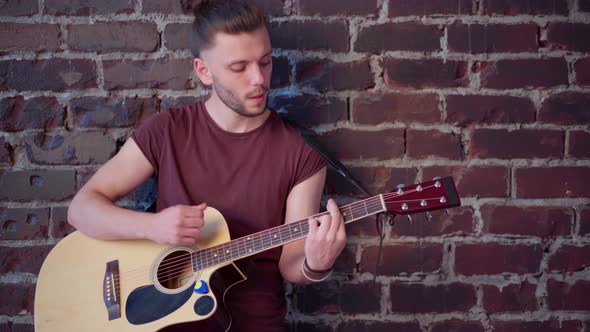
(295,229)
(248,238)
(275,236)
(250,250)
(227,251)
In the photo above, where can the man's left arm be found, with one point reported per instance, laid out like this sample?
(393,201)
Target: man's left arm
(326,237)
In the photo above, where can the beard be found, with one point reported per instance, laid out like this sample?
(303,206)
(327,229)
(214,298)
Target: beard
(232,101)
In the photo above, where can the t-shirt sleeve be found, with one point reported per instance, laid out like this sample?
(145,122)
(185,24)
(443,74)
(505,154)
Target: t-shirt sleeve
(149,138)
(310,162)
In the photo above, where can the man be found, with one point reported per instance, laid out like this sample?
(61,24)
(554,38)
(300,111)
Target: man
(229,152)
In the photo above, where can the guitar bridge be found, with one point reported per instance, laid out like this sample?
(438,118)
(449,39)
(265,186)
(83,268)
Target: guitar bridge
(111,290)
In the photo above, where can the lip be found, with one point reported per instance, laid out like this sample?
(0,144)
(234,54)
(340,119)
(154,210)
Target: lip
(258,97)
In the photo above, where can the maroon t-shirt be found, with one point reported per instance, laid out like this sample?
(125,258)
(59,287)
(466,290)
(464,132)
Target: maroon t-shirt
(246,176)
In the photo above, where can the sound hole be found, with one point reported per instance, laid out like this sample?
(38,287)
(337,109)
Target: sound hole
(175,270)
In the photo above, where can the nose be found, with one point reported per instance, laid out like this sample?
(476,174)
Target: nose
(257,75)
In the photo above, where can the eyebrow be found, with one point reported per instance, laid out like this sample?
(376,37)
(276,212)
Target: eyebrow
(244,61)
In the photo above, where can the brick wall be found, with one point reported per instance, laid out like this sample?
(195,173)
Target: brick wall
(493,92)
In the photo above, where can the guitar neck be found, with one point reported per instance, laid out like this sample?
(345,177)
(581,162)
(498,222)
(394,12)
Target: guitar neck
(278,236)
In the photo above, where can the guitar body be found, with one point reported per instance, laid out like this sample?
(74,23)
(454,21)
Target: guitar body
(133,285)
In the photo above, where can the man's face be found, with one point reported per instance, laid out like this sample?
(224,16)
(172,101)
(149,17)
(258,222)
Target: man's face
(240,67)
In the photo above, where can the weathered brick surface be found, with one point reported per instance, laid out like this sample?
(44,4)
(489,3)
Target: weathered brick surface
(37,185)
(104,37)
(457,325)
(426,7)
(579,144)
(551,182)
(335,297)
(373,326)
(529,73)
(403,259)
(54,75)
(584,5)
(566,296)
(430,73)
(481,181)
(527,221)
(310,35)
(177,36)
(112,112)
(174,74)
(24,224)
(553,325)
(498,258)
(18,8)
(492,38)
(418,298)
(511,298)
(326,75)
(372,109)
(17,327)
(5,155)
(570,258)
(505,144)
(281,72)
(477,109)
(423,144)
(585,221)
(524,7)
(567,108)
(18,37)
(568,36)
(456,222)
(59,219)
(26,259)
(310,110)
(338,7)
(376,180)
(346,144)
(582,69)
(18,113)
(17,299)
(88,7)
(74,149)
(393,37)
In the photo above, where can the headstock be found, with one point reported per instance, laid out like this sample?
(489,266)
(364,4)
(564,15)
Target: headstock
(431,195)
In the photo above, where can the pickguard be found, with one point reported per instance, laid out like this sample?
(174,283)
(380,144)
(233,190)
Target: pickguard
(147,304)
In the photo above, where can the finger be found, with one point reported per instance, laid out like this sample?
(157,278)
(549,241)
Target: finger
(312,223)
(324,226)
(190,232)
(193,222)
(194,211)
(187,241)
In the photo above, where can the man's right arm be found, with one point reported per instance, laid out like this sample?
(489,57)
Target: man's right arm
(94,213)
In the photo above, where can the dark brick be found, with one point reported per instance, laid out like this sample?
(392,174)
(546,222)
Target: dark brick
(582,69)
(70,149)
(23,259)
(88,7)
(309,35)
(18,37)
(346,262)
(373,109)
(310,110)
(52,74)
(499,258)
(526,7)
(473,181)
(338,7)
(59,222)
(109,112)
(554,325)
(566,296)
(164,7)
(23,223)
(568,36)
(552,182)
(345,144)
(427,7)
(458,221)
(104,37)
(528,221)
(18,114)
(426,73)
(394,37)
(174,74)
(326,75)
(585,221)
(336,297)
(17,299)
(422,144)
(474,109)
(177,36)
(177,102)
(16,327)
(418,298)
(514,297)
(271,7)
(18,8)
(376,326)
(569,258)
(307,327)
(523,73)
(403,259)
(579,144)
(584,5)
(511,144)
(5,152)
(566,108)
(492,38)
(376,180)
(281,72)
(37,185)
(457,325)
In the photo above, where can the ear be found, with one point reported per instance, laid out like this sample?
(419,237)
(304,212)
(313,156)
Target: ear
(202,71)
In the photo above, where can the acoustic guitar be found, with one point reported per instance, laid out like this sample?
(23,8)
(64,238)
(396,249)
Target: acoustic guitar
(138,285)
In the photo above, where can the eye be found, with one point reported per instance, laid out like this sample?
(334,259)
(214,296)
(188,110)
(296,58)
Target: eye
(237,69)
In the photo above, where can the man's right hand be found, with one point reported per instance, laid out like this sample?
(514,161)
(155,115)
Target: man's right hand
(177,225)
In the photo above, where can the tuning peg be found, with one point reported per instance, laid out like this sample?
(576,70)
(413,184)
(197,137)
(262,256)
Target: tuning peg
(399,188)
(410,218)
(428,216)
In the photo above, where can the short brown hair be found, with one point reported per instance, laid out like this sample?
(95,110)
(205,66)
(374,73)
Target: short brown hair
(228,16)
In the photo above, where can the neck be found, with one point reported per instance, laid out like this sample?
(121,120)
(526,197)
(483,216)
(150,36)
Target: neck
(231,121)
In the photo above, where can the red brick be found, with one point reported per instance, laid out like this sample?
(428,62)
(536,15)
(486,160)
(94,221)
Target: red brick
(582,69)
(473,181)
(526,7)
(393,37)
(474,109)
(426,73)
(59,222)
(523,143)
(568,36)
(579,144)
(418,298)
(17,299)
(403,259)
(458,222)
(376,326)
(310,35)
(310,110)
(523,73)
(552,182)
(377,180)
(18,37)
(337,297)
(584,5)
(346,262)
(281,72)
(164,7)
(178,102)
(511,298)
(23,259)
(24,223)
(16,327)
(346,144)
(70,149)
(104,37)
(569,258)
(566,296)
(566,108)
(327,75)
(18,114)
(544,326)
(271,7)
(53,74)
(373,109)
(177,36)
(5,151)
(37,185)
(528,221)
(88,7)
(18,8)
(457,325)
(174,74)
(498,258)
(427,7)
(110,112)
(338,7)
(422,144)
(585,221)
(492,38)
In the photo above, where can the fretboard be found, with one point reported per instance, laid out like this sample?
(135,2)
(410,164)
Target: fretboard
(277,236)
